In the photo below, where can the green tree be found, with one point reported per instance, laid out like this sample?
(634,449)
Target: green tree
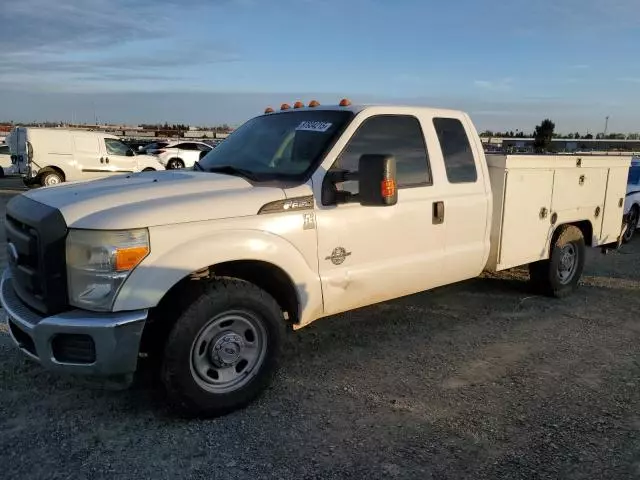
(542,136)
(576,135)
(588,136)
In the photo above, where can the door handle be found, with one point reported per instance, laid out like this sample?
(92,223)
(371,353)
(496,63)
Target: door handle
(101,159)
(106,159)
(438,213)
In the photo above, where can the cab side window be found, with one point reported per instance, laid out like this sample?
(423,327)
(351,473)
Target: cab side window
(397,135)
(114,147)
(458,157)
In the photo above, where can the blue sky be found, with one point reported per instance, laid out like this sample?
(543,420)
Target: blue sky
(508,62)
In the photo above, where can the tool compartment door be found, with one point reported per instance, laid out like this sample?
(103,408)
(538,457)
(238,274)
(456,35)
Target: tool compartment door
(526,214)
(577,192)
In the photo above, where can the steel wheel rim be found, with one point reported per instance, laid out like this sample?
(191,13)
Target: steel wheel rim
(175,165)
(568,263)
(51,180)
(228,351)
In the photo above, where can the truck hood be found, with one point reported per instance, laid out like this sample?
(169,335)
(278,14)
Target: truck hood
(155,198)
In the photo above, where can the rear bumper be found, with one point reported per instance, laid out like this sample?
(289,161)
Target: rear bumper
(76,341)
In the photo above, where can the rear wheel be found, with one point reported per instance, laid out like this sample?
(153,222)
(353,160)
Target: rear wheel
(149,169)
(50,177)
(632,224)
(559,276)
(222,351)
(175,163)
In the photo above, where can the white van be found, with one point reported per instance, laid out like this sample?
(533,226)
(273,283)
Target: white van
(48,156)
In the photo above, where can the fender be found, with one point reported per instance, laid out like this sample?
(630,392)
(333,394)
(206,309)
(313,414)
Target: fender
(169,263)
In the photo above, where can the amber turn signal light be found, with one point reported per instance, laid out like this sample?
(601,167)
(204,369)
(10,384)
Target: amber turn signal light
(388,188)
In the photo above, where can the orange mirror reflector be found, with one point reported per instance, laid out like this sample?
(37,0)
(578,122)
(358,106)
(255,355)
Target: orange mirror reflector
(388,188)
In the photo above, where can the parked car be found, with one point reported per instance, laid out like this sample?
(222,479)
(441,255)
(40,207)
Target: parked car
(152,147)
(298,215)
(48,156)
(632,202)
(181,154)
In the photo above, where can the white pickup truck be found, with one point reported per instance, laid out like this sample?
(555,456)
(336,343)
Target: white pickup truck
(299,214)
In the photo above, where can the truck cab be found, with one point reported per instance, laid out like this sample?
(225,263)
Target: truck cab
(298,215)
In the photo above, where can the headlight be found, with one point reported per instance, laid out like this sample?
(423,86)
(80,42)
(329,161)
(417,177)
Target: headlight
(98,263)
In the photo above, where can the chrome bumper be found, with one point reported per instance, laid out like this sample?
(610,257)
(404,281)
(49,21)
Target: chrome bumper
(114,337)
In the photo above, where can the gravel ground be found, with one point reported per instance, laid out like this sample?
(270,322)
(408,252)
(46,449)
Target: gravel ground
(477,380)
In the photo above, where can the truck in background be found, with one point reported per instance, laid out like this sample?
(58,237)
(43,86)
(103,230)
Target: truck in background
(298,215)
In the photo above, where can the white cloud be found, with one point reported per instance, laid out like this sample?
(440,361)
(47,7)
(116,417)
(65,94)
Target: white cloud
(502,84)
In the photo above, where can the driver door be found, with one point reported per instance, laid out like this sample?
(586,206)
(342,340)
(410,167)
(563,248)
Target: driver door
(117,157)
(371,254)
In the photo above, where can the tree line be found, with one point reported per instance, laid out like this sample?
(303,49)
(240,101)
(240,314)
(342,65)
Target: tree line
(570,136)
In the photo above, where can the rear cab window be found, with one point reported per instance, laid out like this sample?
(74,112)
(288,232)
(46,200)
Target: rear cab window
(459,160)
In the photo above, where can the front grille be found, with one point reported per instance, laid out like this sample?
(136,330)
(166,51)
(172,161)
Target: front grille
(24,340)
(73,348)
(36,254)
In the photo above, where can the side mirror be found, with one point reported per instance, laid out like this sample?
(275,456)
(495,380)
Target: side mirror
(377,181)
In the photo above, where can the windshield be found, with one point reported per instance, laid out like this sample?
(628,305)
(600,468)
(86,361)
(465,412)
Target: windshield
(278,146)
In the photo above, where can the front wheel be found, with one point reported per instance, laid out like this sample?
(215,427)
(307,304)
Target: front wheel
(633,219)
(558,277)
(51,178)
(223,350)
(149,169)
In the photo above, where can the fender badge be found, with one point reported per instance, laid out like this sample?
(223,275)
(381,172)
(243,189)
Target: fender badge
(338,256)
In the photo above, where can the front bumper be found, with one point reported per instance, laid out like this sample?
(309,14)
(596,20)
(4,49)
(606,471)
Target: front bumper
(108,343)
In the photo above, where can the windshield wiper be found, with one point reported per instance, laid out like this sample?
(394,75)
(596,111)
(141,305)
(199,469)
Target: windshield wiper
(231,170)
(197,166)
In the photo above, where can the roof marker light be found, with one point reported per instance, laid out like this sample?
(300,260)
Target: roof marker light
(314,103)
(285,106)
(268,110)
(345,102)
(298,105)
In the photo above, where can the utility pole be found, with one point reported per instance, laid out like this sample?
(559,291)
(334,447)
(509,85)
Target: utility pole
(606,125)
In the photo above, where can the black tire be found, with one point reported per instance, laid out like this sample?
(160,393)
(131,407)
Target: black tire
(149,169)
(632,224)
(184,385)
(30,183)
(175,164)
(50,177)
(550,277)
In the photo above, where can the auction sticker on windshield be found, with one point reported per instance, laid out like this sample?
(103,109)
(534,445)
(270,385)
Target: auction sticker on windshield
(311,126)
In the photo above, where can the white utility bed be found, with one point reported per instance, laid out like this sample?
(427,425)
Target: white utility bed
(534,193)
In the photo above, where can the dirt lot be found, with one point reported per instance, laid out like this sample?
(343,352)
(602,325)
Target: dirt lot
(479,380)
